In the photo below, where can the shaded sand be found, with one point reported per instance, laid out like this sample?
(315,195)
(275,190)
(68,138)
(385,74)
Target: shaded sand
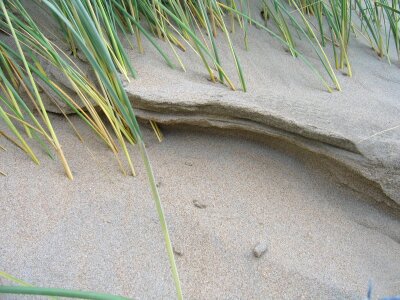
(100,232)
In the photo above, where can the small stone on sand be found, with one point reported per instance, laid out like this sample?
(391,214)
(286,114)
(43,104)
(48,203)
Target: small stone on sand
(260,249)
(177,251)
(198,204)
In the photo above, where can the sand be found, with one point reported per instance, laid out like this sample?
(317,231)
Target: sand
(100,232)
(284,99)
(284,95)
(227,194)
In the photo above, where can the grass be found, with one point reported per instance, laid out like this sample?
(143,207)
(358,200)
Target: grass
(80,24)
(180,23)
(52,292)
(95,31)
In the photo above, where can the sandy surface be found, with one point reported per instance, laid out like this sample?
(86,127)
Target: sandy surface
(100,232)
(284,93)
(285,98)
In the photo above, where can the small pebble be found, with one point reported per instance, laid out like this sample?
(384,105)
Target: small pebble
(260,249)
(177,251)
(188,163)
(198,204)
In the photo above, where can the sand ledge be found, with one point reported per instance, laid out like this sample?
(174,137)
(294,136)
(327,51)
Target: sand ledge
(337,149)
(283,99)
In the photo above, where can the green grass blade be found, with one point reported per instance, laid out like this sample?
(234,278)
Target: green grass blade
(25,290)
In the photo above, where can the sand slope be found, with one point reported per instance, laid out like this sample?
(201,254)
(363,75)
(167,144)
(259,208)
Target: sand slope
(100,232)
(284,99)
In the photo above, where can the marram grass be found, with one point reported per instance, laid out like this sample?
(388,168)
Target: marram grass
(53,292)
(194,23)
(96,30)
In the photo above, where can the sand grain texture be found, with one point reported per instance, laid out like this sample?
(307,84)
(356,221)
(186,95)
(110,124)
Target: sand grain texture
(284,99)
(100,232)
(264,178)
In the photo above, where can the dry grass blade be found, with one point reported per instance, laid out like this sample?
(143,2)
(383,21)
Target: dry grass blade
(36,93)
